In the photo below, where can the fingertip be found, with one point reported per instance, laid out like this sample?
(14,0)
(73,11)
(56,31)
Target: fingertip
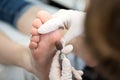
(67,49)
(42,30)
(47,28)
(66,63)
(77,73)
(81,72)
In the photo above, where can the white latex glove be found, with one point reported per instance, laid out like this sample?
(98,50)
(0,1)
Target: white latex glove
(69,19)
(66,73)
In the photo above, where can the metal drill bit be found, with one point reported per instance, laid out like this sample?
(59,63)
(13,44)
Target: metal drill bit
(59,47)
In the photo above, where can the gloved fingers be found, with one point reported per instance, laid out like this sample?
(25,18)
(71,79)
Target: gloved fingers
(55,68)
(74,31)
(66,70)
(51,25)
(60,19)
(70,34)
(67,49)
(76,26)
(61,12)
(74,20)
(77,73)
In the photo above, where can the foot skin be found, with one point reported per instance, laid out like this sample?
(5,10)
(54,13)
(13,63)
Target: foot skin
(43,46)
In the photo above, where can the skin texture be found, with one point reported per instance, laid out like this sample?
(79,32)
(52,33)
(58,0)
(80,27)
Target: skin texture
(39,45)
(24,24)
(43,46)
(108,64)
(21,53)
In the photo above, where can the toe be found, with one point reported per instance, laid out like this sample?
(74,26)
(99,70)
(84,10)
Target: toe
(34,31)
(37,23)
(35,39)
(33,45)
(43,16)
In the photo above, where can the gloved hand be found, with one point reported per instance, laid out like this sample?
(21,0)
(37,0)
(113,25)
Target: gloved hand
(66,73)
(69,19)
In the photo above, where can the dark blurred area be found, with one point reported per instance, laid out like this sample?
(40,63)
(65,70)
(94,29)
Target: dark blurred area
(67,4)
(55,4)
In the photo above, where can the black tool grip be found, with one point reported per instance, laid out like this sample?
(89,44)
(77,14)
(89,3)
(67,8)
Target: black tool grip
(58,45)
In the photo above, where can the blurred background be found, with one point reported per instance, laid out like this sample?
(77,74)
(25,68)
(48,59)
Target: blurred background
(16,73)
(67,4)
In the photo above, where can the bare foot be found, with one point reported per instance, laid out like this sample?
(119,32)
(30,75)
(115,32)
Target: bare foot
(43,46)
